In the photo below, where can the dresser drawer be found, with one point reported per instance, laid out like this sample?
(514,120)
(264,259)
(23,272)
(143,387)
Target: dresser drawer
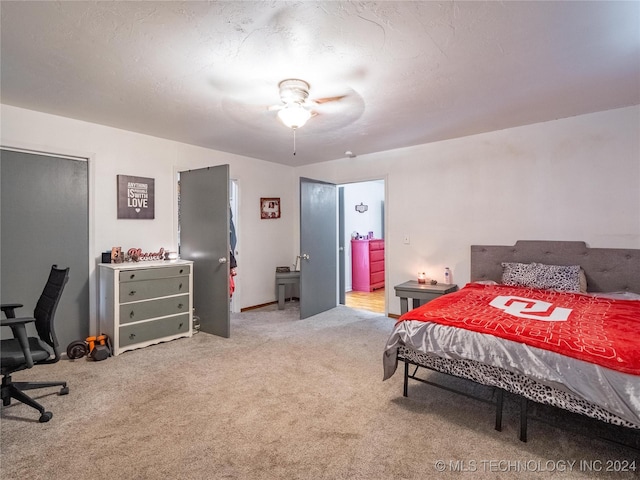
(376,267)
(377,278)
(376,245)
(152,273)
(143,289)
(136,311)
(154,329)
(377,255)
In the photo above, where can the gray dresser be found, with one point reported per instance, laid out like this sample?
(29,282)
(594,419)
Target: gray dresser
(145,303)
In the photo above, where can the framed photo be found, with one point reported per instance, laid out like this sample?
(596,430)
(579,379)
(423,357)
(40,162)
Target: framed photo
(116,254)
(269,208)
(136,197)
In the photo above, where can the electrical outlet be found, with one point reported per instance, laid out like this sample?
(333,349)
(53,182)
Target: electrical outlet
(406,240)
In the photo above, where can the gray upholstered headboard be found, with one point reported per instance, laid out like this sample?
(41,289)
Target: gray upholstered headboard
(607,269)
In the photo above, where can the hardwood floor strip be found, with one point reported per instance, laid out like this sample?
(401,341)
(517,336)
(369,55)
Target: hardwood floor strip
(372,301)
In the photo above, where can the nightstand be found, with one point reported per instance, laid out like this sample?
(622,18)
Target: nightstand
(421,293)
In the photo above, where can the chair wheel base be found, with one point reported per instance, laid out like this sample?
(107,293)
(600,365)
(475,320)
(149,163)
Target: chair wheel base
(64,391)
(45,417)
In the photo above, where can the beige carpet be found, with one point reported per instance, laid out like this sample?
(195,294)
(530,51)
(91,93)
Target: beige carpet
(281,399)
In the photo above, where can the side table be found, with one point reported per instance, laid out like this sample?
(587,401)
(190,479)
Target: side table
(282,280)
(421,293)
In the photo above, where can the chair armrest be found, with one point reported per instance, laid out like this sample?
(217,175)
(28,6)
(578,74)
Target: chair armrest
(11,321)
(9,309)
(18,327)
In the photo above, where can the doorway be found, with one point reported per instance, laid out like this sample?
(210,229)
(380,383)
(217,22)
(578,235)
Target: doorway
(234,241)
(362,220)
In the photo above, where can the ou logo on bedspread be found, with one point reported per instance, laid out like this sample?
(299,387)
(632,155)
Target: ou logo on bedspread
(531,309)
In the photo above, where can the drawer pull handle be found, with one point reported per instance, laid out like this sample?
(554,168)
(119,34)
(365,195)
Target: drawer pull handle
(180,287)
(131,314)
(132,336)
(180,326)
(180,306)
(132,293)
(181,270)
(132,276)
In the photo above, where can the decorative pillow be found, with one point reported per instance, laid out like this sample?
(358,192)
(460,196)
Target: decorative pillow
(583,281)
(539,275)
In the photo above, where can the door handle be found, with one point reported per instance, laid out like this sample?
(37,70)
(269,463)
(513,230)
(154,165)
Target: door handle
(222,260)
(304,256)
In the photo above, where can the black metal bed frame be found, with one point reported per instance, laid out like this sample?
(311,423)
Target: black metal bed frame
(499,392)
(499,403)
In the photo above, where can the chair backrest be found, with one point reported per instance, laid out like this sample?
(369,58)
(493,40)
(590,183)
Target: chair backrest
(47,304)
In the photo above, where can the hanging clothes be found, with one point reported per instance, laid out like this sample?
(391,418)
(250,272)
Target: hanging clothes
(232,282)
(233,240)
(233,264)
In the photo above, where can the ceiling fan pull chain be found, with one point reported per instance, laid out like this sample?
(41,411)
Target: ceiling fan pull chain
(294,141)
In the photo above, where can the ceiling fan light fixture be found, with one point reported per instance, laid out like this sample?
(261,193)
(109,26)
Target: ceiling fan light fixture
(294,115)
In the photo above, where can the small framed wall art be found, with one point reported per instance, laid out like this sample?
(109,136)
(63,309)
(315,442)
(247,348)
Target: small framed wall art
(269,208)
(136,197)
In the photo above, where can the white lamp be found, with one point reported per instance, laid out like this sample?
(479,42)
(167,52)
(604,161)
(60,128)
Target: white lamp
(294,115)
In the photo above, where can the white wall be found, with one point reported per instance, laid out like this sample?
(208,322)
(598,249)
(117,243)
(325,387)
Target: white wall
(569,179)
(262,244)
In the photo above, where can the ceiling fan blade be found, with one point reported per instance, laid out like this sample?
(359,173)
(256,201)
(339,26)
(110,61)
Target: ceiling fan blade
(320,101)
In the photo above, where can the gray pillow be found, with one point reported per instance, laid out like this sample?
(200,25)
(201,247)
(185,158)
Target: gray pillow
(538,275)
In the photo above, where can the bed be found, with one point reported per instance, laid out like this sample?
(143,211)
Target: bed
(553,322)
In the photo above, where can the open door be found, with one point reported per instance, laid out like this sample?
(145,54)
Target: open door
(318,247)
(204,238)
(341,249)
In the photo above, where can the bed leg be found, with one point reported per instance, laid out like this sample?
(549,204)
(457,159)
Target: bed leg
(406,378)
(523,419)
(499,403)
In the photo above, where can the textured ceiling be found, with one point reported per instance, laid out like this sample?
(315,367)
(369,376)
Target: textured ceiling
(204,73)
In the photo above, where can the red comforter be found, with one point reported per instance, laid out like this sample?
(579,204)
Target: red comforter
(594,329)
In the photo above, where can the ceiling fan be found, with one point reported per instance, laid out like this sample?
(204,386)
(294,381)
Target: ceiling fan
(297,107)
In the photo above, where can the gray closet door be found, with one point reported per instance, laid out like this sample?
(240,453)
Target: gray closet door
(45,221)
(318,230)
(204,238)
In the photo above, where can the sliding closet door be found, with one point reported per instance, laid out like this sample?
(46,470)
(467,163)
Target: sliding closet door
(44,221)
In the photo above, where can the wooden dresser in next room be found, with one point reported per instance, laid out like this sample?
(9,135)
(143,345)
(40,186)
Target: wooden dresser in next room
(367,265)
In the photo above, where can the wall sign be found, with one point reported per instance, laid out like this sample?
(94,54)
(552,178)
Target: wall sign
(136,197)
(136,255)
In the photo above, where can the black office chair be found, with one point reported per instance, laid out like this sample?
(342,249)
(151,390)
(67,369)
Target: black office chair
(22,352)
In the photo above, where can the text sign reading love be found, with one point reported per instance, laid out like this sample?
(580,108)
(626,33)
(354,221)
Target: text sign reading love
(136,197)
